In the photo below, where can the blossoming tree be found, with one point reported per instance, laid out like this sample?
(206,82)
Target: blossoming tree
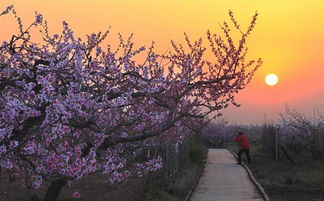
(301,133)
(69,108)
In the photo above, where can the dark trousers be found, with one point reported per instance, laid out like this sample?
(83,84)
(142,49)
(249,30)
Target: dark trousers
(247,154)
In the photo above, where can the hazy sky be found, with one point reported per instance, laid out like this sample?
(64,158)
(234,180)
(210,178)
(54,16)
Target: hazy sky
(289,37)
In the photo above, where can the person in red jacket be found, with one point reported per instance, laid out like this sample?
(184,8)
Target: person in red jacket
(245,147)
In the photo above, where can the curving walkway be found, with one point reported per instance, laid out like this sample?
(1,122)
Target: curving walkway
(224,180)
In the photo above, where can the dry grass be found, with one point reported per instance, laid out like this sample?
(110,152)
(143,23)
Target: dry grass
(153,187)
(173,189)
(284,181)
(92,188)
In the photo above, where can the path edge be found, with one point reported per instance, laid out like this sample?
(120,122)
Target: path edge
(195,183)
(255,182)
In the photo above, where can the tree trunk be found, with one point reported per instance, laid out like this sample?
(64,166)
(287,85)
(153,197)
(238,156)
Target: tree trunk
(34,198)
(54,190)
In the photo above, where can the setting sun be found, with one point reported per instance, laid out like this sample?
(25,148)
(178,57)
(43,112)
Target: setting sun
(271,79)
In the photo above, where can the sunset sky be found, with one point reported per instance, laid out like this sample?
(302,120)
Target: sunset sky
(289,37)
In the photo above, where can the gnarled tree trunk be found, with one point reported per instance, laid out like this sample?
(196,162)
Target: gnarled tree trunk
(54,189)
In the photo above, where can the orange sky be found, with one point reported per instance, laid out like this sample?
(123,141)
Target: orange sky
(289,36)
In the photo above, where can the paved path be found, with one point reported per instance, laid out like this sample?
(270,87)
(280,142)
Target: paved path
(224,180)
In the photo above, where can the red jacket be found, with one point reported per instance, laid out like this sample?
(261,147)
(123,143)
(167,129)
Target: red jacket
(243,140)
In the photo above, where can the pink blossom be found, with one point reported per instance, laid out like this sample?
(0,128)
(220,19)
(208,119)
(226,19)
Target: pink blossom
(38,18)
(72,107)
(3,149)
(76,195)
(38,182)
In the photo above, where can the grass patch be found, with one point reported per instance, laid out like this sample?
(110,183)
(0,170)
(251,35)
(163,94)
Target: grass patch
(161,188)
(198,154)
(172,189)
(153,187)
(284,181)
